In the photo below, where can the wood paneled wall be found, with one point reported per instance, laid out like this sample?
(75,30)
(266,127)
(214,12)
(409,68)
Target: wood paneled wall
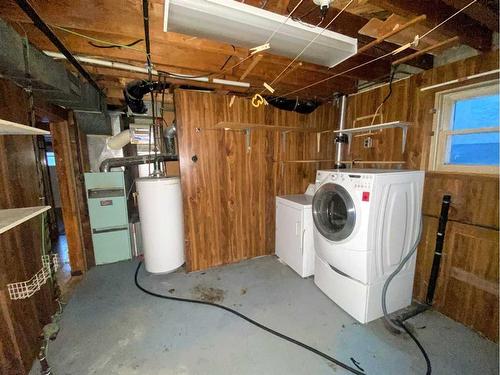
(21,321)
(229,192)
(69,166)
(467,288)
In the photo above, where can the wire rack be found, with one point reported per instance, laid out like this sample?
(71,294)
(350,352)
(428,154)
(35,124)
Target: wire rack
(26,289)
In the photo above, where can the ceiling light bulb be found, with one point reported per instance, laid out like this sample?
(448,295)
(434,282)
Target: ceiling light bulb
(323,5)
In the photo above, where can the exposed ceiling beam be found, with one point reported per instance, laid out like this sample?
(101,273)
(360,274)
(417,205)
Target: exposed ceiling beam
(479,12)
(468,29)
(348,24)
(185,61)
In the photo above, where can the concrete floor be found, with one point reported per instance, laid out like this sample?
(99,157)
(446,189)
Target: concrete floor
(110,327)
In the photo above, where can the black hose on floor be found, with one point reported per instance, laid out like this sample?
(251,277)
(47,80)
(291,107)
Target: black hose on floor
(424,353)
(255,323)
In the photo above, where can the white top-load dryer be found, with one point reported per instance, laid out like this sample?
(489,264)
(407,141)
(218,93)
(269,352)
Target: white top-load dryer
(294,232)
(365,222)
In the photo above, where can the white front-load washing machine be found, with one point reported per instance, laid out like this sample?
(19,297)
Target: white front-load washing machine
(365,223)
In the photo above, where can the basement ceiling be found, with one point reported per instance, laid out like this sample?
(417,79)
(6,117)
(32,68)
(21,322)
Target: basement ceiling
(120,22)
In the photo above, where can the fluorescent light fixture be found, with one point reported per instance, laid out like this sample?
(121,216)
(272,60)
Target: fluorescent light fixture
(243,25)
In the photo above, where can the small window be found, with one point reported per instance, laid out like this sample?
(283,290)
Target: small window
(51,159)
(466,134)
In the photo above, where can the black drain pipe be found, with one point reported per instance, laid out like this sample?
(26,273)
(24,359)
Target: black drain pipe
(438,251)
(418,308)
(44,28)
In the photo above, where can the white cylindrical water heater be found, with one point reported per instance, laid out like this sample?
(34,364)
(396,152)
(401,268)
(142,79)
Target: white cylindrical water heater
(162,229)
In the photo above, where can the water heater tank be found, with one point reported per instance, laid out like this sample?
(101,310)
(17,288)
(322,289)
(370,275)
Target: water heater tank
(160,213)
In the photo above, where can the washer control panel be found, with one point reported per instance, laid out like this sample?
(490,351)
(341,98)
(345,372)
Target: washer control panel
(360,182)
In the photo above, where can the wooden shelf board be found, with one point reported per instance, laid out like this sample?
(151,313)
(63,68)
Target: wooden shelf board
(9,218)
(306,161)
(13,128)
(386,125)
(243,126)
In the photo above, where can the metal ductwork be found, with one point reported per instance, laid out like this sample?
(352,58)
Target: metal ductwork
(128,161)
(340,138)
(51,81)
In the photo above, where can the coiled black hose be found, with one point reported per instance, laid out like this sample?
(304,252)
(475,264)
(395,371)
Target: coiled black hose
(255,323)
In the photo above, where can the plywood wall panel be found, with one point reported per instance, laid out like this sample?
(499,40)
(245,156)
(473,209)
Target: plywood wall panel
(469,271)
(21,322)
(467,288)
(229,192)
(475,199)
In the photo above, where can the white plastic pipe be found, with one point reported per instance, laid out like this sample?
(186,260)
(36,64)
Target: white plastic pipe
(138,69)
(117,142)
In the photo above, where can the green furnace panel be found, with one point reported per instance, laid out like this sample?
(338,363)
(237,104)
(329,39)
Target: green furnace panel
(107,202)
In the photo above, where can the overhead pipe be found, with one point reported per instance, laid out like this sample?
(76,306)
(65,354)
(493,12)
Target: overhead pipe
(133,68)
(129,161)
(44,28)
(120,140)
(341,139)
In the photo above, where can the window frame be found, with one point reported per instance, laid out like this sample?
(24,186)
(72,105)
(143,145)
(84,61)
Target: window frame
(443,118)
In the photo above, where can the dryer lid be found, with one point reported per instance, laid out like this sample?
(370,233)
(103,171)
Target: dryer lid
(334,213)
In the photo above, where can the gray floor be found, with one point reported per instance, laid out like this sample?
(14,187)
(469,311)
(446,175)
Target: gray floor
(109,327)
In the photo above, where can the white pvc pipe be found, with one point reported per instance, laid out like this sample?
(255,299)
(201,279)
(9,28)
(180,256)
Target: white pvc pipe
(138,69)
(117,142)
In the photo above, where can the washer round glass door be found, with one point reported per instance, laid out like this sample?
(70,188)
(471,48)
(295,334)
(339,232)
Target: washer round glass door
(333,212)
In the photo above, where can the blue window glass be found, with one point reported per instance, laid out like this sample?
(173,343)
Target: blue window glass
(51,159)
(474,149)
(475,113)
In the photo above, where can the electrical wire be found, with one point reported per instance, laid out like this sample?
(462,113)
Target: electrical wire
(110,44)
(249,320)
(391,79)
(116,45)
(284,22)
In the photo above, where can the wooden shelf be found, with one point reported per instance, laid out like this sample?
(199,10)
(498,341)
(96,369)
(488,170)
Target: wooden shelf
(385,125)
(403,125)
(245,126)
(9,218)
(13,128)
(306,161)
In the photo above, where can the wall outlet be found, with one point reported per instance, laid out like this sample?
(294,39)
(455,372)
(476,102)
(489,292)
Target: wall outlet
(368,142)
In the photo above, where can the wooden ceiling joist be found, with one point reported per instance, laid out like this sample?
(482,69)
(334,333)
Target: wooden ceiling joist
(394,31)
(447,43)
(122,23)
(463,26)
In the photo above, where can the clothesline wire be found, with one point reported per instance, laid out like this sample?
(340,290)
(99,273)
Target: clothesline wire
(396,51)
